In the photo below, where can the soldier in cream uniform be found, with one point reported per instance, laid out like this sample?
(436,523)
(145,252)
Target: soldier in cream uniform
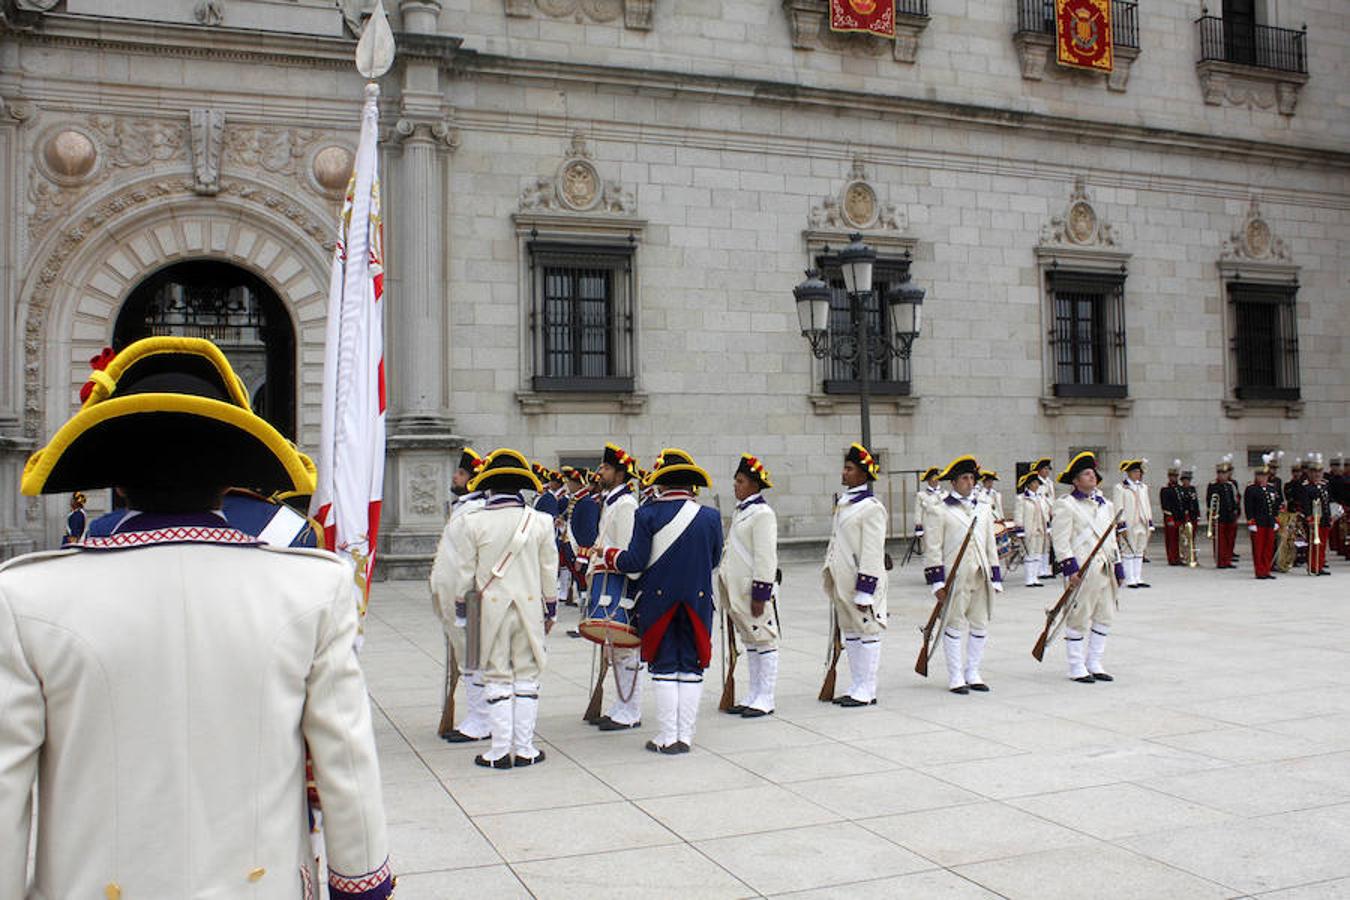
(930,492)
(855,576)
(746,583)
(509,556)
(474,725)
(987,493)
(1044,471)
(166,677)
(1130,496)
(1081,517)
(1032,517)
(973,586)
(618,506)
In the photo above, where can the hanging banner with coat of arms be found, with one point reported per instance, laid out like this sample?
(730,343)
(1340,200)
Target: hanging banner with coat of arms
(870,16)
(1083,34)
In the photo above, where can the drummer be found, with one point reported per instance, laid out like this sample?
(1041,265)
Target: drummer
(619,505)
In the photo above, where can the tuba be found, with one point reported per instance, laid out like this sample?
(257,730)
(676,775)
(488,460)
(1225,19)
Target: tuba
(1187,539)
(1285,550)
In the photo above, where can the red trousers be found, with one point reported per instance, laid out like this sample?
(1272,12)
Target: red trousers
(1171,540)
(1317,553)
(1263,550)
(1225,536)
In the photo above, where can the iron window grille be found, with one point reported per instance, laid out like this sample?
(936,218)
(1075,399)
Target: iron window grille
(1265,340)
(581,317)
(1087,336)
(890,375)
(1038,17)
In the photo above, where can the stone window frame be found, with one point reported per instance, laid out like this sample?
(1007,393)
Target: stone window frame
(601,232)
(1270,276)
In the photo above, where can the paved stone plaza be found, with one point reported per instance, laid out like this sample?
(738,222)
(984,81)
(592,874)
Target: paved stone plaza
(1217,765)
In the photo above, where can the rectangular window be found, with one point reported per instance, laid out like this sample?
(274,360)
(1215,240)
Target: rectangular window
(1087,339)
(1265,341)
(581,317)
(889,374)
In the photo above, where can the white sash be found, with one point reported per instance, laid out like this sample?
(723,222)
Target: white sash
(512,548)
(671,532)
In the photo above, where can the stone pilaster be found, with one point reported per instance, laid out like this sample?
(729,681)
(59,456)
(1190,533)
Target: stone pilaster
(422,444)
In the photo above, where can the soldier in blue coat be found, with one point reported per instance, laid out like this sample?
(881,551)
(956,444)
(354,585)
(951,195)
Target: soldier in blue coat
(675,547)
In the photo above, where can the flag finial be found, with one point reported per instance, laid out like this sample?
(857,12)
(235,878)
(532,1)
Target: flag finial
(375,50)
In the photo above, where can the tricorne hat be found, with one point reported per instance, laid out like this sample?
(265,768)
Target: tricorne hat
(1084,460)
(931,472)
(166,412)
(470,461)
(505,470)
(960,466)
(988,475)
(1128,464)
(1043,463)
(1027,479)
(752,468)
(620,459)
(863,459)
(677,468)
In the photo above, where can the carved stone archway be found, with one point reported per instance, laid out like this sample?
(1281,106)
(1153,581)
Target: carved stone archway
(82,274)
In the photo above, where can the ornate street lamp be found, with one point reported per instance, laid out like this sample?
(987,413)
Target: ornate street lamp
(861,348)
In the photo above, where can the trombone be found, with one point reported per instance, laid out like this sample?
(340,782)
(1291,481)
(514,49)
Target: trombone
(1315,537)
(1210,523)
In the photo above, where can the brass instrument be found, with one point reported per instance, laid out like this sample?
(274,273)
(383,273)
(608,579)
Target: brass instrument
(1314,526)
(1213,516)
(1286,549)
(1187,539)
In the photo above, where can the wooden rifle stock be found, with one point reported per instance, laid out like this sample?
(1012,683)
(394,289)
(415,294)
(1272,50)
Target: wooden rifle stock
(447,723)
(827,688)
(1038,651)
(921,664)
(729,686)
(592,713)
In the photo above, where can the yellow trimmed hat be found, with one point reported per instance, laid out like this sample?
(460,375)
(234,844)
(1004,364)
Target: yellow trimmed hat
(751,467)
(164,412)
(1042,463)
(505,470)
(1027,479)
(620,459)
(1084,460)
(1128,464)
(470,461)
(675,468)
(960,466)
(931,472)
(988,475)
(863,458)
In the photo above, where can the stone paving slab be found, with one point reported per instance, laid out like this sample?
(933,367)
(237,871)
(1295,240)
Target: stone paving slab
(1217,765)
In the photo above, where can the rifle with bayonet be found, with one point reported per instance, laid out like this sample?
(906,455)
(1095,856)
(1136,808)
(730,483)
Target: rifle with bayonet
(940,607)
(1052,615)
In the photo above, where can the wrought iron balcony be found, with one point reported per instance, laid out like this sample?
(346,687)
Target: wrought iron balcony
(1038,17)
(1261,46)
(911,7)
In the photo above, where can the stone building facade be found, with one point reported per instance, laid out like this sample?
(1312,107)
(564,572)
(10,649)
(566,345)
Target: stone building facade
(597,211)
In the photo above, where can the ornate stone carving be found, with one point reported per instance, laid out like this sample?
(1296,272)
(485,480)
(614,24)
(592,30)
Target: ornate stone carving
(332,169)
(1230,84)
(1254,240)
(37,5)
(69,155)
(209,12)
(809,28)
(437,131)
(19,109)
(577,187)
(1079,225)
(208,133)
(274,150)
(855,207)
(133,142)
(637,14)
(423,489)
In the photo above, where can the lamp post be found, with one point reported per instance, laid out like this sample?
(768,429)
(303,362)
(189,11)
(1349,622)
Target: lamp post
(904,304)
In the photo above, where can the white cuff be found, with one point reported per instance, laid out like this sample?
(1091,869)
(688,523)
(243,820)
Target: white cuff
(861,599)
(998,587)
(937,586)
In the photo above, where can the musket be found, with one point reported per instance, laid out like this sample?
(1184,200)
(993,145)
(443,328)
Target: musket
(592,713)
(1053,613)
(836,649)
(732,657)
(447,723)
(929,645)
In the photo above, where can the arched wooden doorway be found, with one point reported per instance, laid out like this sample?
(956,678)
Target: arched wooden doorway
(235,309)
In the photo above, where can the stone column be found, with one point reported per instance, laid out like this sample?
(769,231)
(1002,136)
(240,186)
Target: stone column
(422,443)
(14,446)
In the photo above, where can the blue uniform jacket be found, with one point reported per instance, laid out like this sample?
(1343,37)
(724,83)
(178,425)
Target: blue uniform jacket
(548,504)
(680,579)
(586,520)
(245,511)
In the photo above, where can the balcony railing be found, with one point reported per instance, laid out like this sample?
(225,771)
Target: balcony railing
(1038,16)
(911,7)
(1283,49)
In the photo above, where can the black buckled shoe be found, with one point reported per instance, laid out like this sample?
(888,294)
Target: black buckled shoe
(963,689)
(503,763)
(851,703)
(1101,676)
(458,737)
(979,687)
(735,709)
(1086,679)
(522,761)
(608,724)
(751,712)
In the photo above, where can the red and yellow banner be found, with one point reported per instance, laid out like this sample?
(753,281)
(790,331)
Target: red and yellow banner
(1083,34)
(870,16)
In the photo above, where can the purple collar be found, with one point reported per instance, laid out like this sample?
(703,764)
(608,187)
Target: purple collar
(749,502)
(618,492)
(501,501)
(1095,495)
